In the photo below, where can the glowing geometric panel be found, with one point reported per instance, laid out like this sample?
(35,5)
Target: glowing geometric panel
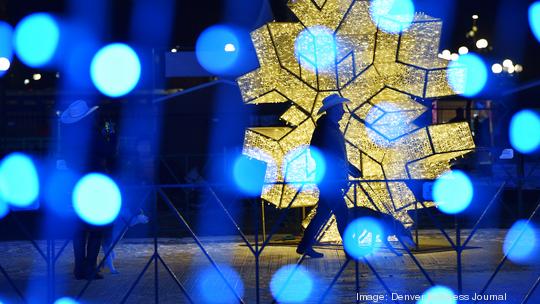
(385,76)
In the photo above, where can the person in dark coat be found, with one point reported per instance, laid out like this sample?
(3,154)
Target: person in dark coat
(86,147)
(330,143)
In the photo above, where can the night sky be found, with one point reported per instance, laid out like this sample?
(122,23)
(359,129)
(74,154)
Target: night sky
(503,23)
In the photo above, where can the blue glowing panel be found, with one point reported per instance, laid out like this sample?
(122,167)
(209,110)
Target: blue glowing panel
(453,192)
(534,19)
(19,181)
(386,122)
(525,131)
(291,284)
(218,49)
(115,70)
(303,165)
(392,16)
(473,81)
(520,242)
(65,300)
(6,47)
(438,294)
(97,199)
(212,288)
(360,237)
(4,208)
(249,175)
(315,48)
(36,39)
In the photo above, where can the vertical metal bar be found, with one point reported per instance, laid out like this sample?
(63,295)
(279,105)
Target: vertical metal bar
(356,270)
(257,253)
(48,265)
(53,269)
(416,236)
(459,250)
(155,256)
(263,221)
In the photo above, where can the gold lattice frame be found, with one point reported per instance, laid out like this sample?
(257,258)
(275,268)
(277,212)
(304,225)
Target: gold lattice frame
(386,76)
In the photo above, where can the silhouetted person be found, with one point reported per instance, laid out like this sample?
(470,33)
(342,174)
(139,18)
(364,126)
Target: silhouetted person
(330,142)
(86,148)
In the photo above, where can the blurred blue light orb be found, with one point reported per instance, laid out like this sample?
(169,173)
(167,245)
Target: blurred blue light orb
(115,69)
(291,284)
(525,131)
(249,175)
(468,75)
(213,289)
(218,49)
(534,19)
(19,181)
(356,233)
(392,16)
(65,300)
(520,242)
(97,199)
(438,294)
(36,39)
(6,47)
(4,208)
(453,192)
(315,48)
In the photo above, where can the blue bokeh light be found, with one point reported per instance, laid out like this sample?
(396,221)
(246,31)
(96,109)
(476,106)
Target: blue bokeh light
(525,131)
(97,199)
(291,284)
(249,175)
(453,192)
(315,48)
(36,39)
(534,19)
(356,233)
(6,47)
(468,75)
(115,69)
(304,164)
(218,49)
(4,208)
(523,235)
(210,283)
(438,294)
(19,181)
(392,16)
(66,300)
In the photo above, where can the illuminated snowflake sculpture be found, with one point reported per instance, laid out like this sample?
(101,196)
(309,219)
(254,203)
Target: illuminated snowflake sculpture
(384,75)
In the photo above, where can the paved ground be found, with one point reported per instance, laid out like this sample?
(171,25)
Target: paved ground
(185,259)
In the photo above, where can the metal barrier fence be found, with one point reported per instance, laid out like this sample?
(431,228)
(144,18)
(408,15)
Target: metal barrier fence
(159,195)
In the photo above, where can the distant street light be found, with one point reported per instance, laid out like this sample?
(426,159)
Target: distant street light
(482,44)
(496,68)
